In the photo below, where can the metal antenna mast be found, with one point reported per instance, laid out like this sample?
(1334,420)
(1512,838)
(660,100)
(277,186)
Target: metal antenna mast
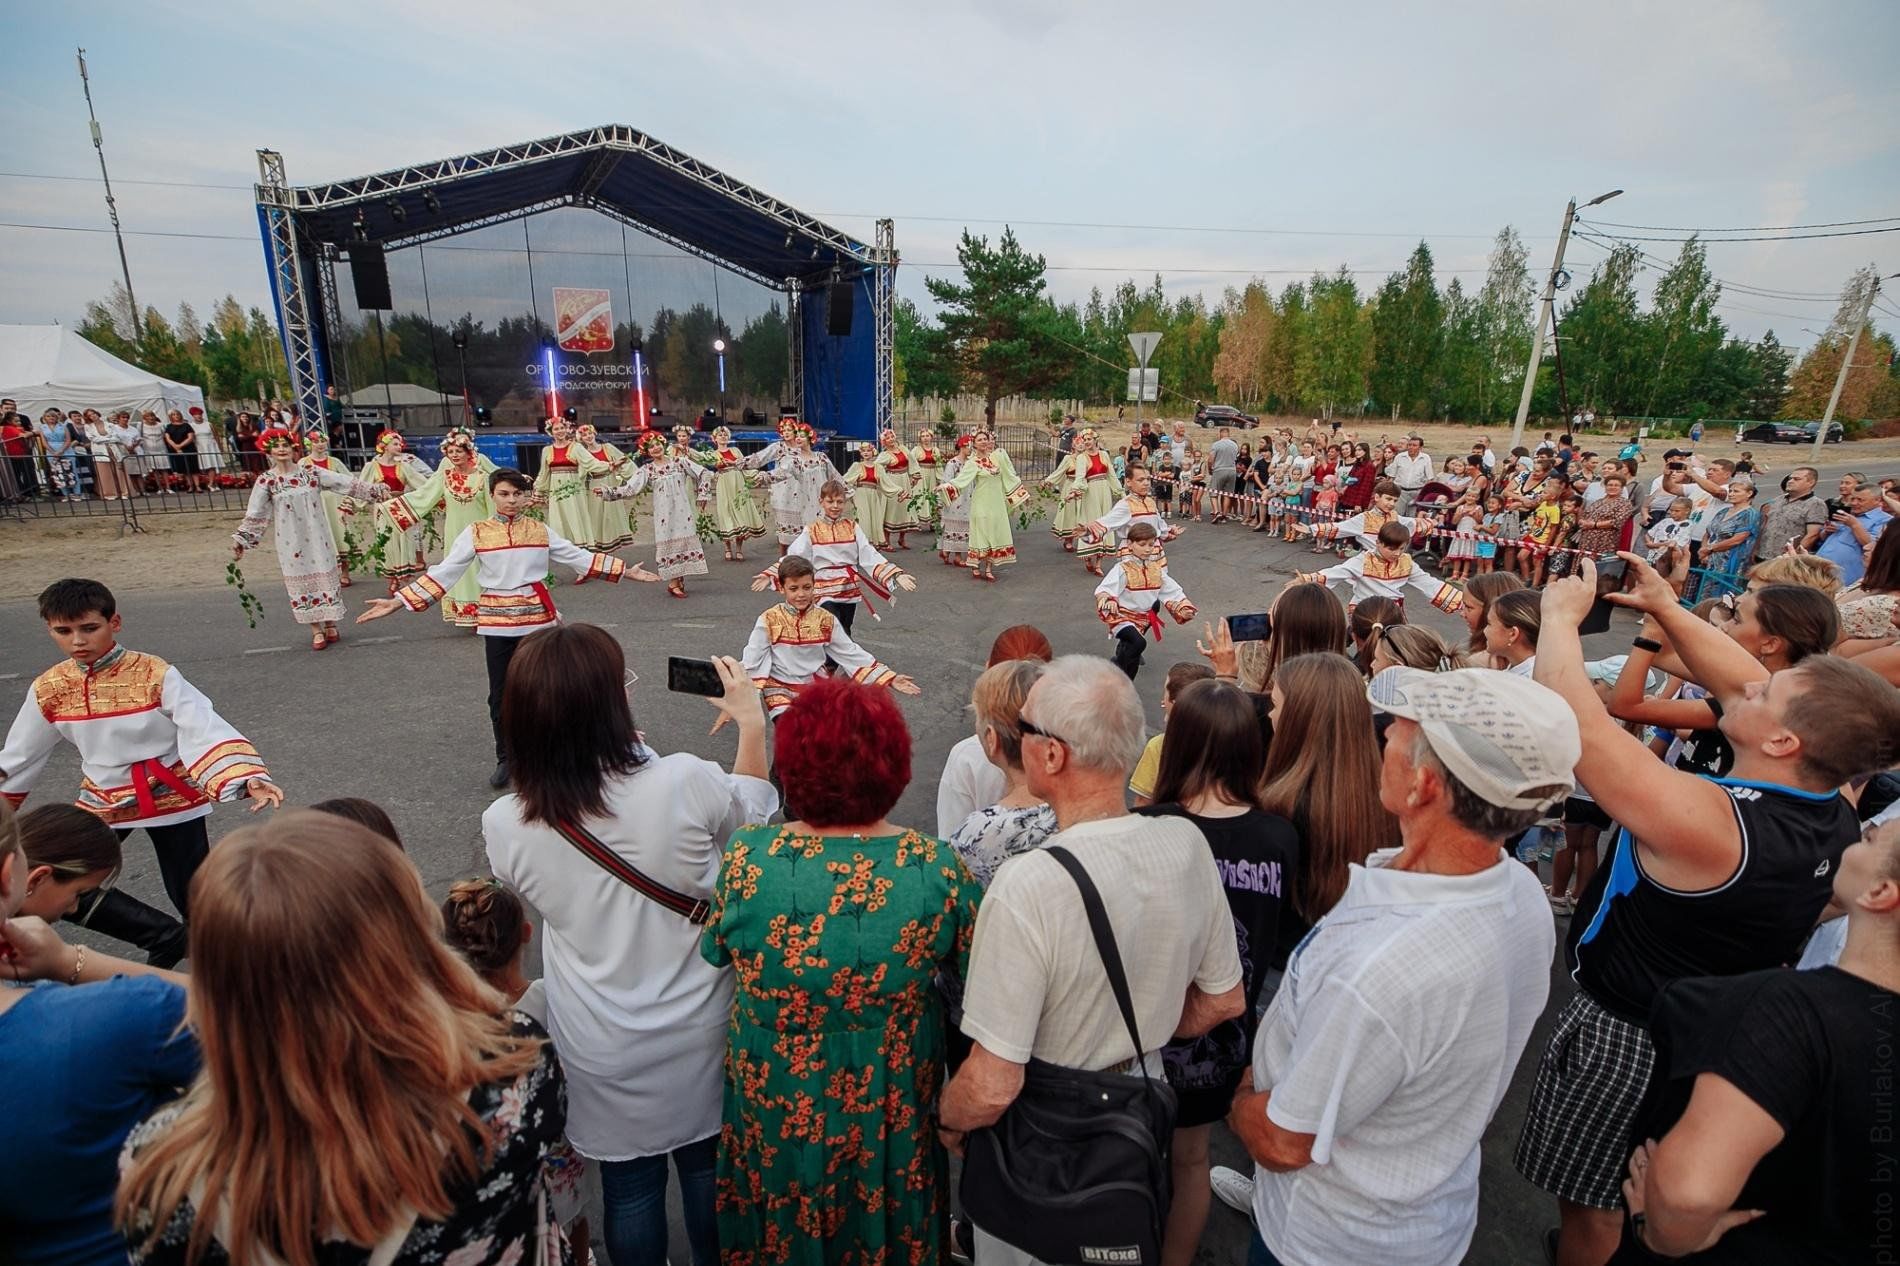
(112,208)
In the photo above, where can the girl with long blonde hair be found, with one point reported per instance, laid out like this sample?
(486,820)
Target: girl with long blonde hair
(360,1084)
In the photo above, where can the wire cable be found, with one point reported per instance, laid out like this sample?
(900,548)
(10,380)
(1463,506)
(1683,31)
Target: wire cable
(1755,228)
(1800,237)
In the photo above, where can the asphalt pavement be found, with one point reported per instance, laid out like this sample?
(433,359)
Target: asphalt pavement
(397,713)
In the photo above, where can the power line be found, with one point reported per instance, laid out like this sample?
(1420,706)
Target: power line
(1756,228)
(1651,263)
(1802,237)
(167,184)
(1603,241)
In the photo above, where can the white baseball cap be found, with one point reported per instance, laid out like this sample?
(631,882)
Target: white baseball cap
(1510,740)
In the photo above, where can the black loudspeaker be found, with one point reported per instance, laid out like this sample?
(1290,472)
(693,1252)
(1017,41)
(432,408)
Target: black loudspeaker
(838,299)
(369,274)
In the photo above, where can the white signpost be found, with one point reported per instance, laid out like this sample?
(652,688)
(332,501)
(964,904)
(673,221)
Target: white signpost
(1143,383)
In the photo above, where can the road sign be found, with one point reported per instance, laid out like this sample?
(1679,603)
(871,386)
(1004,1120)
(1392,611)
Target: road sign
(1144,385)
(1144,345)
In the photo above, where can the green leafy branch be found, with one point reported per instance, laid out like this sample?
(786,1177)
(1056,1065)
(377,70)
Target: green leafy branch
(248,602)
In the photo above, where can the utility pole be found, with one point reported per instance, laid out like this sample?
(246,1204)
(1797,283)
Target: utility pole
(1544,309)
(112,208)
(1840,379)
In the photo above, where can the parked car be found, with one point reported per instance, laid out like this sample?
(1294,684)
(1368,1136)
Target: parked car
(1224,415)
(1774,433)
(1835,433)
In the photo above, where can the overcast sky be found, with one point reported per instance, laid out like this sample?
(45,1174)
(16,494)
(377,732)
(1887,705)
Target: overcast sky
(1314,135)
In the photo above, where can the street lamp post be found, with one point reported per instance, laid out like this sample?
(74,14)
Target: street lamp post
(460,339)
(1543,314)
(719,348)
(1840,379)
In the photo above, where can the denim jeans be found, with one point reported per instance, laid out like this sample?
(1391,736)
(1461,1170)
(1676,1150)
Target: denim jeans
(1258,1254)
(634,1193)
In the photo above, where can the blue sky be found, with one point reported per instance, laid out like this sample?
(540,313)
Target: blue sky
(1332,133)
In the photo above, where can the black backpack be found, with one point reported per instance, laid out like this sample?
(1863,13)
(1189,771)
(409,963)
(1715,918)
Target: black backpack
(1076,1171)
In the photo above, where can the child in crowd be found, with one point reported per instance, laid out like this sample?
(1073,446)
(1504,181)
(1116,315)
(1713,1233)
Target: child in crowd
(483,921)
(153,753)
(1488,530)
(1133,592)
(1387,571)
(1148,768)
(1326,499)
(792,642)
(511,555)
(1668,543)
(1164,480)
(1507,525)
(847,563)
(1462,554)
(1541,530)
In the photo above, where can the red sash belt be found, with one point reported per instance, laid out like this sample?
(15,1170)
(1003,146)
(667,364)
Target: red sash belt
(547,599)
(150,771)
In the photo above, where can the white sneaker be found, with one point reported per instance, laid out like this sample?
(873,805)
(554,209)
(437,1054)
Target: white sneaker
(1233,1189)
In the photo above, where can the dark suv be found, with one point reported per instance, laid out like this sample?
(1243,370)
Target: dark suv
(1224,415)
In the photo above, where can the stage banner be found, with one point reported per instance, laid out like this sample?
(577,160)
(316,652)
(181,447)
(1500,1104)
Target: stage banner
(583,320)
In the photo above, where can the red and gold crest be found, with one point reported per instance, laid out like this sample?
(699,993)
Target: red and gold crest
(583,320)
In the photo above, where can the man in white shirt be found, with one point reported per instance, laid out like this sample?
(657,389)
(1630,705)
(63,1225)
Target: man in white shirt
(1403,1013)
(1411,470)
(1178,443)
(1036,985)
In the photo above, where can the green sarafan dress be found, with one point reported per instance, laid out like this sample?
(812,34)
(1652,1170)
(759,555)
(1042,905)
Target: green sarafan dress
(828,1151)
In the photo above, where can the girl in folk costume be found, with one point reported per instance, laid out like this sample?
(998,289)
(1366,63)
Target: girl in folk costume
(335,508)
(1067,518)
(868,501)
(613,523)
(897,478)
(680,487)
(567,468)
(796,477)
(459,489)
(1108,533)
(735,514)
(288,498)
(848,565)
(394,470)
(953,523)
(1093,490)
(990,481)
(927,460)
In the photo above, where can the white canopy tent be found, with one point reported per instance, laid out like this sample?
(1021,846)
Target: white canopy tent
(49,366)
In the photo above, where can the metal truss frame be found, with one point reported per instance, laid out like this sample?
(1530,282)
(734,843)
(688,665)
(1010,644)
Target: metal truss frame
(883,315)
(795,345)
(332,314)
(282,253)
(614,138)
(436,232)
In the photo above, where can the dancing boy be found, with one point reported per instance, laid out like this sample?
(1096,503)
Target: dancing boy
(153,752)
(795,639)
(846,562)
(510,555)
(1132,594)
(1387,571)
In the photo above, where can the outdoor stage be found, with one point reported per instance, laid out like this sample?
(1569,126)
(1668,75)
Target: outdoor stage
(533,353)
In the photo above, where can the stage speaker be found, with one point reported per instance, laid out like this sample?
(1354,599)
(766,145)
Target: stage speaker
(369,274)
(838,299)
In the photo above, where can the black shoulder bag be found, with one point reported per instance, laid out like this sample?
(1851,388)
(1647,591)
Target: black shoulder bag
(1076,1171)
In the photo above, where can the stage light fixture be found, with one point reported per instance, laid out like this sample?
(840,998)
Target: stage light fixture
(396,211)
(360,229)
(433,203)
(570,413)
(814,254)
(788,241)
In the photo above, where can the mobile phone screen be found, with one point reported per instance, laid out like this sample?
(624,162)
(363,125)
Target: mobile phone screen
(693,677)
(1250,628)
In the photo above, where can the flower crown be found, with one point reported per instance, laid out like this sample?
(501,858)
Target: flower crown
(389,440)
(271,436)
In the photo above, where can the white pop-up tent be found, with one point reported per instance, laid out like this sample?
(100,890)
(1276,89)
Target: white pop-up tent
(49,366)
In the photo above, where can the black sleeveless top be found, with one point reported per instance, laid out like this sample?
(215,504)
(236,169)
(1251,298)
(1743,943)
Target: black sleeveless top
(1631,936)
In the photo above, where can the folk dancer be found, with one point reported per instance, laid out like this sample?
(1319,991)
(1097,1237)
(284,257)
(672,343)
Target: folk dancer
(397,470)
(1134,593)
(153,755)
(927,460)
(796,476)
(287,498)
(869,503)
(613,524)
(338,509)
(459,489)
(1364,526)
(1387,571)
(990,481)
(680,488)
(1093,489)
(953,516)
(1105,534)
(561,485)
(897,479)
(850,570)
(510,555)
(736,516)
(793,641)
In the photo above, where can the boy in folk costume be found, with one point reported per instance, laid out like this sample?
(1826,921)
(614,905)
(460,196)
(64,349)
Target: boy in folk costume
(1387,571)
(1364,526)
(1134,592)
(897,479)
(796,476)
(511,555)
(793,642)
(846,562)
(153,752)
(1103,535)
(287,499)
(680,487)
(459,490)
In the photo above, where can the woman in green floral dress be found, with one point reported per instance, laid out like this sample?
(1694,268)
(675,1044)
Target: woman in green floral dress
(835,925)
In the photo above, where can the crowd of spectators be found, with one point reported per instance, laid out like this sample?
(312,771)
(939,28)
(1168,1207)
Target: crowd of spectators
(1322,875)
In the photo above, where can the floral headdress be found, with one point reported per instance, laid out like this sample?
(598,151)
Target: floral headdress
(653,442)
(792,427)
(963,442)
(887,436)
(388,441)
(586,433)
(867,450)
(271,436)
(458,435)
(722,435)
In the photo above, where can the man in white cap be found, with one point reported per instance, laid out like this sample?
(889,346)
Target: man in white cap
(1393,1037)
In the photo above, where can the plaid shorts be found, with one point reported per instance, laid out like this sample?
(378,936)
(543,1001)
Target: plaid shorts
(1580,1127)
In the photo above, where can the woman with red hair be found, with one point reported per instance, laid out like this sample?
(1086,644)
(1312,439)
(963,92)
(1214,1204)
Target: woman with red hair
(835,924)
